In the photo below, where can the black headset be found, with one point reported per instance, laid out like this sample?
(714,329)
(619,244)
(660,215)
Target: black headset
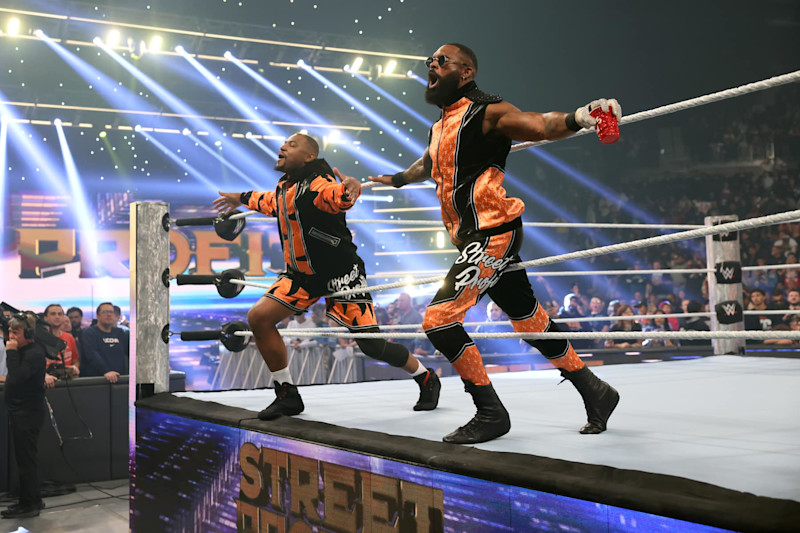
(24,317)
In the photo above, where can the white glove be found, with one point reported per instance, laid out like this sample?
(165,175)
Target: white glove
(585,120)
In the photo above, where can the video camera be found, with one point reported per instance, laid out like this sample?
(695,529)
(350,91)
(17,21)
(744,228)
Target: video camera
(41,333)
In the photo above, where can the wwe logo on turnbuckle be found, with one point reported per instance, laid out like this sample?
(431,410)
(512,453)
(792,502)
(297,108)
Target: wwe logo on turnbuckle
(728,272)
(727,236)
(728,312)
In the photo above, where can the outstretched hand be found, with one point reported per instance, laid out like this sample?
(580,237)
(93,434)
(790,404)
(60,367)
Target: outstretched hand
(383,179)
(352,187)
(227,202)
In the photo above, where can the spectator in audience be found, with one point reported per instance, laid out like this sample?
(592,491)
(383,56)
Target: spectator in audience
(495,314)
(777,300)
(122,322)
(660,285)
(572,309)
(624,324)
(319,320)
(105,346)
(406,314)
(300,321)
(793,325)
(758,303)
(68,358)
(697,323)
(613,307)
(596,310)
(659,324)
(381,316)
(75,316)
(666,308)
(793,304)
(641,308)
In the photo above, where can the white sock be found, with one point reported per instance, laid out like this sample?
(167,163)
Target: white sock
(282,376)
(420,370)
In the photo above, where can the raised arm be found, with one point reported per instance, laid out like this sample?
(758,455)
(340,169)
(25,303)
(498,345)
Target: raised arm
(530,126)
(420,170)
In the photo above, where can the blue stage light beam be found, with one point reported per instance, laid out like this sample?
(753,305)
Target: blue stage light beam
(263,147)
(380,164)
(38,155)
(82,213)
(245,109)
(588,182)
(3,179)
(396,101)
(215,154)
(179,106)
(180,162)
(117,95)
(387,126)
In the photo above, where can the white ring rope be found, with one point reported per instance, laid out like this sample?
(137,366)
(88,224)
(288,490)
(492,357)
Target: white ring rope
(772,267)
(686,104)
(598,225)
(604,318)
(728,227)
(699,335)
(555,273)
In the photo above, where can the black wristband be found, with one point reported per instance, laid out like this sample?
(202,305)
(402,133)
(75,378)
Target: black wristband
(572,124)
(245,197)
(398,180)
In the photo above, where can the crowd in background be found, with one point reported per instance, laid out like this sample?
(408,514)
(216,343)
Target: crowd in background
(100,347)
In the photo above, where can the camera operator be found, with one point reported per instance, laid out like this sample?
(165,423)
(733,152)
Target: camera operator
(24,395)
(67,363)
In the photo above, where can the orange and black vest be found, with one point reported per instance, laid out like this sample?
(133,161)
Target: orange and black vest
(468,167)
(310,210)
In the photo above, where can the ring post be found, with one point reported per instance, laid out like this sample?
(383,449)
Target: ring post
(725,285)
(149,297)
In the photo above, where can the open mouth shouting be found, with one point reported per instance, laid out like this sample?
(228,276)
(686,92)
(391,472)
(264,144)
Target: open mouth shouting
(433,79)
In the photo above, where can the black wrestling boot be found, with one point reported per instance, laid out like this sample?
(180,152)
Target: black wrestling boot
(491,420)
(429,387)
(599,397)
(287,403)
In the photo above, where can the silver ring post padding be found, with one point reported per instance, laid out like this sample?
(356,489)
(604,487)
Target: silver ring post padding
(725,285)
(149,249)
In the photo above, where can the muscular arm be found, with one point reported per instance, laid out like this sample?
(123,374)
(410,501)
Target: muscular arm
(420,170)
(521,126)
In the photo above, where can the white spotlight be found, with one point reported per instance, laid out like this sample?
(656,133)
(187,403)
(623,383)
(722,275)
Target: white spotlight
(180,49)
(186,131)
(155,43)
(390,66)
(57,123)
(357,64)
(13,26)
(112,39)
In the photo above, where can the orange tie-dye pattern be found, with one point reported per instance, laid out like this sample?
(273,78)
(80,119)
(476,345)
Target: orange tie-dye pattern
(539,322)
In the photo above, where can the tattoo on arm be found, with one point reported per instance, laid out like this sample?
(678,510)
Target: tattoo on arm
(555,125)
(417,171)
